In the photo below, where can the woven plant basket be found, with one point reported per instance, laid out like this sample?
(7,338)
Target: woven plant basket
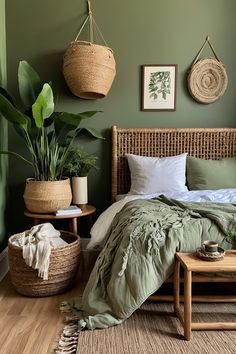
(47,196)
(62,269)
(89,69)
(207,80)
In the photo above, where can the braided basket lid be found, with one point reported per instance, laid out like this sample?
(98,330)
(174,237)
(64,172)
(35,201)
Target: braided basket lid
(207,80)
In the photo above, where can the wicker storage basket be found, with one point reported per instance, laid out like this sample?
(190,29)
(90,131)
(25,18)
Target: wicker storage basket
(62,269)
(89,69)
(47,196)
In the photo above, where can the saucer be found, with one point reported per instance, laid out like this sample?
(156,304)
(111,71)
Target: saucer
(210,256)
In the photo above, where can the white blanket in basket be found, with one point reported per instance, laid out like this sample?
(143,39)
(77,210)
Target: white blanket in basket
(37,244)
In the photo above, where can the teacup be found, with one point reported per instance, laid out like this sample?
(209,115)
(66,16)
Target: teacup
(210,246)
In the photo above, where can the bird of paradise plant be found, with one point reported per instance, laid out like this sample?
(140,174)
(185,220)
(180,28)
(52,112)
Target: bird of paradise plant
(48,135)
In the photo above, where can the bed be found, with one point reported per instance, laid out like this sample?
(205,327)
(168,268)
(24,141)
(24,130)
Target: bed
(140,236)
(207,143)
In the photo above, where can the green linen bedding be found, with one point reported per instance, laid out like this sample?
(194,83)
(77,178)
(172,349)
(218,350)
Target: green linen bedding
(139,254)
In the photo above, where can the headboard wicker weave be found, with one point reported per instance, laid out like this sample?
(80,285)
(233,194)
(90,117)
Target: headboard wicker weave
(208,143)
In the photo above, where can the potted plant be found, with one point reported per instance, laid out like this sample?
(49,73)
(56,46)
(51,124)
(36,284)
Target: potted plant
(78,168)
(49,137)
(231,236)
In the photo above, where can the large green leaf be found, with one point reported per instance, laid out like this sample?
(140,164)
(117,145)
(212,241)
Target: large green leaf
(43,106)
(95,133)
(16,155)
(65,122)
(29,83)
(88,114)
(10,113)
(7,95)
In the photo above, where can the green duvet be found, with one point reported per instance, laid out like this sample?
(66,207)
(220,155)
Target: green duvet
(139,254)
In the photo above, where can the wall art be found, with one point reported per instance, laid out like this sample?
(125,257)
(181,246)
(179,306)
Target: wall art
(159,87)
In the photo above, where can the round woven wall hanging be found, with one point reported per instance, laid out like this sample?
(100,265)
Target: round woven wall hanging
(207,79)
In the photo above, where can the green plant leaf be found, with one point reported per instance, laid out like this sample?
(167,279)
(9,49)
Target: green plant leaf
(79,163)
(29,83)
(95,133)
(7,95)
(43,106)
(65,122)
(16,155)
(88,114)
(10,113)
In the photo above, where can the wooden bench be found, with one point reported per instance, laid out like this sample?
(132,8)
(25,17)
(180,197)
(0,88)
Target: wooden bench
(191,263)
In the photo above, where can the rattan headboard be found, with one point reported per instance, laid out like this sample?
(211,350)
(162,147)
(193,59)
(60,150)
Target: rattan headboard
(208,143)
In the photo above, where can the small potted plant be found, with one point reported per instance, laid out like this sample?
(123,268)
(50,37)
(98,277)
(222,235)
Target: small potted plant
(49,137)
(231,236)
(78,167)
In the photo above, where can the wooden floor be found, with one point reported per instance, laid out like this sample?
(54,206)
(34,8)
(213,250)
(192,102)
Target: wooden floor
(30,325)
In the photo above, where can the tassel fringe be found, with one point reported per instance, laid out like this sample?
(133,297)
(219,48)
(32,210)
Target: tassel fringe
(68,340)
(65,307)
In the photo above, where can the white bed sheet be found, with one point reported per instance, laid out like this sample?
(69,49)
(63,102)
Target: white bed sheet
(102,226)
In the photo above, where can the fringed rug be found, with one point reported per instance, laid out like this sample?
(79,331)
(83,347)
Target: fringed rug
(154,329)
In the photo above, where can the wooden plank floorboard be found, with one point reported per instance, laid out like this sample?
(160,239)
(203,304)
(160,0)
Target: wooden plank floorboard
(31,325)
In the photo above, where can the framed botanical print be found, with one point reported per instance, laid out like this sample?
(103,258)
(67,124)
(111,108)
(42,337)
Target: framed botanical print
(159,87)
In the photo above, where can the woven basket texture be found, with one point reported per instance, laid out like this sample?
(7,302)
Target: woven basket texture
(62,269)
(207,80)
(47,196)
(89,69)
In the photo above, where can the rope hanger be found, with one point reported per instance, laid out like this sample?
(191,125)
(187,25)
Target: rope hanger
(207,41)
(93,27)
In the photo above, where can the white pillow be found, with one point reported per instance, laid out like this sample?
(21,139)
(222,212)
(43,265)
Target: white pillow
(157,174)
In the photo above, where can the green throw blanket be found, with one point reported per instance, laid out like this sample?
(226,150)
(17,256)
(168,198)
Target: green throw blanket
(139,254)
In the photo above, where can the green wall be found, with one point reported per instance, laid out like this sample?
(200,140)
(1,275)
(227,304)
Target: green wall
(150,32)
(3,126)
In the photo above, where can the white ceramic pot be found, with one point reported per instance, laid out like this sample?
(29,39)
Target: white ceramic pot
(80,190)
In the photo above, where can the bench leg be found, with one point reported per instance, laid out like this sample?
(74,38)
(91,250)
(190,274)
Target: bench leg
(176,287)
(187,304)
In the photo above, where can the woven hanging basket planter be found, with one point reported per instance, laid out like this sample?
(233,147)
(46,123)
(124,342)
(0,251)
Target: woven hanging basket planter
(89,69)
(207,79)
(61,273)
